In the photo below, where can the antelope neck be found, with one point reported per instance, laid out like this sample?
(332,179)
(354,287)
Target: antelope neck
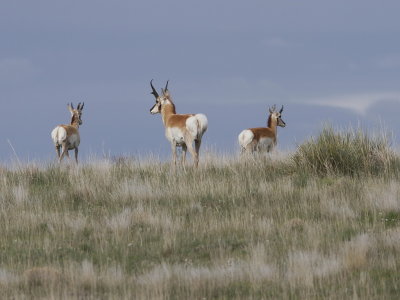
(272,123)
(167,110)
(75,121)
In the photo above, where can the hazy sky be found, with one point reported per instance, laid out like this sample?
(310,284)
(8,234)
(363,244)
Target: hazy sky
(326,61)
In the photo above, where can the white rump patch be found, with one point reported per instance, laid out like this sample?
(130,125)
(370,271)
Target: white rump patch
(192,126)
(197,125)
(245,138)
(203,124)
(58,135)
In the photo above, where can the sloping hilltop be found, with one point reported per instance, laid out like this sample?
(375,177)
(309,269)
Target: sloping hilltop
(322,222)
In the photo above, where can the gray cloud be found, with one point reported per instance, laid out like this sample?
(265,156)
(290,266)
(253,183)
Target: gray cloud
(359,103)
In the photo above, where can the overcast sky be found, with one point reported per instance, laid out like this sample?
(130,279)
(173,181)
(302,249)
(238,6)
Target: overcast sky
(334,62)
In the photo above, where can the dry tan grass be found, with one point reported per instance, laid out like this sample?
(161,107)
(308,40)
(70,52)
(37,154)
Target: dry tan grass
(233,229)
(42,276)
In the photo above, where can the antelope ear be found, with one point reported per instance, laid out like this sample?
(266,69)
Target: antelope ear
(70,107)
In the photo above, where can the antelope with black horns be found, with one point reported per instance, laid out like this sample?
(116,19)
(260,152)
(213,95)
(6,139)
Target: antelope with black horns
(181,130)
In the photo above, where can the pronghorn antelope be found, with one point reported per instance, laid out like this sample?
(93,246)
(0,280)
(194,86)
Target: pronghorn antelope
(67,136)
(263,138)
(180,130)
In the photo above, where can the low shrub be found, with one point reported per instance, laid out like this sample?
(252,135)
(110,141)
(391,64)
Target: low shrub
(351,152)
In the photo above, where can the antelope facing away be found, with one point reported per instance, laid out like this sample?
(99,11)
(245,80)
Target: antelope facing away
(263,138)
(180,130)
(67,136)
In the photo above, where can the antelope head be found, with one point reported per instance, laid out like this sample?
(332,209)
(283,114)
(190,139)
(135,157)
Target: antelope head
(277,115)
(160,100)
(76,113)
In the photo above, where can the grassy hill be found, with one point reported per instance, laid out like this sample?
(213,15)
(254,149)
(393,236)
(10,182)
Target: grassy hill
(322,222)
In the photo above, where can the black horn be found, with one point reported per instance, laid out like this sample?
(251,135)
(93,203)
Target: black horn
(281,110)
(166,86)
(154,92)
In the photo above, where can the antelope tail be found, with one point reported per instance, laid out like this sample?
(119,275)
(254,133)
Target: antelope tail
(202,125)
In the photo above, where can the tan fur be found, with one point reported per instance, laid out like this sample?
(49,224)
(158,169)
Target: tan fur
(261,132)
(70,129)
(171,118)
(72,139)
(177,120)
(179,128)
(266,132)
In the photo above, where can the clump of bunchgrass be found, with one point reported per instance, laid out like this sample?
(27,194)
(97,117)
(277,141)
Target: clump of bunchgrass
(350,152)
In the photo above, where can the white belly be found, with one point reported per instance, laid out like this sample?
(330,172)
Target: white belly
(73,141)
(176,135)
(265,143)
